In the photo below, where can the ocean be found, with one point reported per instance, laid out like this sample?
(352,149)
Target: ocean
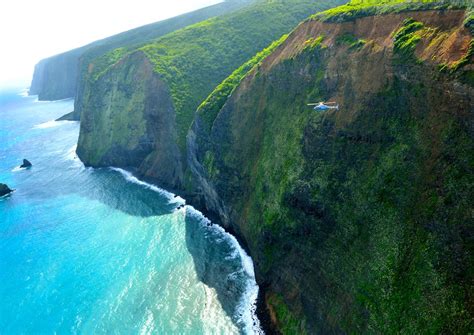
(86,250)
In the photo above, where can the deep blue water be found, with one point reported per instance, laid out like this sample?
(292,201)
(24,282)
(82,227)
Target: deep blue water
(97,251)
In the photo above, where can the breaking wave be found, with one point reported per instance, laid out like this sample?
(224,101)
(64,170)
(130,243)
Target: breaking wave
(132,179)
(50,124)
(244,309)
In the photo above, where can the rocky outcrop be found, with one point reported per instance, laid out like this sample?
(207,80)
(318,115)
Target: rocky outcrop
(26,164)
(4,190)
(358,219)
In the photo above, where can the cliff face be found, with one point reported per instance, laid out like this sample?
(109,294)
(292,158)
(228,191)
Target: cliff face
(61,76)
(55,78)
(359,220)
(189,64)
(133,117)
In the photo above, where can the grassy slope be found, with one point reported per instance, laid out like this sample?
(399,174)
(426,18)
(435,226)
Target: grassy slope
(210,107)
(360,8)
(352,10)
(192,61)
(55,77)
(142,35)
(106,52)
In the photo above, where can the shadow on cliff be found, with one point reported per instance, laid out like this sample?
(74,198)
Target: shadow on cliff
(216,256)
(131,197)
(220,265)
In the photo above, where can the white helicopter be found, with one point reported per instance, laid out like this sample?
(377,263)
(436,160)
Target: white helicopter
(322,106)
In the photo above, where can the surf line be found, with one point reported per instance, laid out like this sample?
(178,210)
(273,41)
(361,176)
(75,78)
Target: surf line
(247,305)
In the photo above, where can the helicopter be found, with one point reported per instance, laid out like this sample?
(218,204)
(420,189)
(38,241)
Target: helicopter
(322,106)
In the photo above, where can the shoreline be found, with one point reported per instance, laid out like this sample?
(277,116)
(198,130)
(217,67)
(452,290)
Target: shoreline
(261,321)
(262,313)
(182,198)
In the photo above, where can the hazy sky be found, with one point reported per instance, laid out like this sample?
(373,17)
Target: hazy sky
(34,29)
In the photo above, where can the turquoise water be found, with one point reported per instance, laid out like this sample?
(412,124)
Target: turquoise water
(98,251)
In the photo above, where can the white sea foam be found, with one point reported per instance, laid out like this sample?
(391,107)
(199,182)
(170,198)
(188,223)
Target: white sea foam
(149,324)
(247,307)
(50,101)
(71,153)
(48,124)
(131,178)
(24,93)
(7,195)
(17,169)
(60,100)
(51,124)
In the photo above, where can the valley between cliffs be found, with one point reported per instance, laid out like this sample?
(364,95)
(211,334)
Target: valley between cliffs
(359,220)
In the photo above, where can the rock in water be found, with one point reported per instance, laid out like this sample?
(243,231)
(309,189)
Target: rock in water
(26,164)
(72,116)
(4,190)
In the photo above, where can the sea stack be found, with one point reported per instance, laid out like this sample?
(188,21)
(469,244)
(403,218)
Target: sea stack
(26,164)
(4,190)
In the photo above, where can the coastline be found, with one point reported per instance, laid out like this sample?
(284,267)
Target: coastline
(260,317)
(262,313)
(260,321)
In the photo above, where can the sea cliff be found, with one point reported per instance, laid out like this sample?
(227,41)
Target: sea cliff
(358,219)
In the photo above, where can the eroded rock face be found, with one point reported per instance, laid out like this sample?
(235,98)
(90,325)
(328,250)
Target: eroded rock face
(358,220)
(4,190)
(128,121)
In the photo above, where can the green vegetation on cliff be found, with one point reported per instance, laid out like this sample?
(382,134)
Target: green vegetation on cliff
(373,213)
(351,40)
(103,63)
(126,132)
(406,38)
(469,22)
(360,8)
(358,219)
(60,76)
(210,107)
(466,59)
(194,60)
(287,323)
(187,66)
